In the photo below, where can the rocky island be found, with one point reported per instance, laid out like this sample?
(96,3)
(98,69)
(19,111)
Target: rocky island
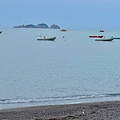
(42,25)
(54,26)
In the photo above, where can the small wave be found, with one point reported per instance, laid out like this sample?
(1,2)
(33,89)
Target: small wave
(52,99)
(113,94)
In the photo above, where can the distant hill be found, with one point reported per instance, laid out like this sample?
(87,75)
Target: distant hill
(54,26)
(42,25)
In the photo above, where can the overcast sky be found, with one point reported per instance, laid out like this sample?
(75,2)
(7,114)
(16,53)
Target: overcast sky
(69,14)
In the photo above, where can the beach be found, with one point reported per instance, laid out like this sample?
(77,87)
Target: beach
(108,110)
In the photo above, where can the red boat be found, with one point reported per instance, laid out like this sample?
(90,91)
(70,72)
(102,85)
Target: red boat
(95,36)
(63,30)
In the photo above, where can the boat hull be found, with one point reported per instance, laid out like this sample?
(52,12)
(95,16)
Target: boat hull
(63,30)
(47,39)
(92,36)
(104,39)
(116,38)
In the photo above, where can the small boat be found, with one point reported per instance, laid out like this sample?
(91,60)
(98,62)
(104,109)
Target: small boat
(116,38)
(101,30)
(63,30)
(95,36)
(104,39)
(0,32)
(46,39)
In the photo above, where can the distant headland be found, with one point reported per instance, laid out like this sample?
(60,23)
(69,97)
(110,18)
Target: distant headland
(42,25)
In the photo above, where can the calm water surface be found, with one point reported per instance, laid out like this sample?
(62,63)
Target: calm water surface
(74,69)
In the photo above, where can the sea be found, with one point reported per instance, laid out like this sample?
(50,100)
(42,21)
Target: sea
(72,69)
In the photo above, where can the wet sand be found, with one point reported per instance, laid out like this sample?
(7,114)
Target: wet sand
(109,110)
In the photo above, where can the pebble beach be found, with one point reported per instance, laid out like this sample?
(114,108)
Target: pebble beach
(108,110)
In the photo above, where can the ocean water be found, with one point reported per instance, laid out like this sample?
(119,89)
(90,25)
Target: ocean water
(73,69)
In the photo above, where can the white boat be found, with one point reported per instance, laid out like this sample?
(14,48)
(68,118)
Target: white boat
(104,39)
(46,39)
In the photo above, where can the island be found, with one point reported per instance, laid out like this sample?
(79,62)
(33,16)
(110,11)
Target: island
(42,25)
(54,26)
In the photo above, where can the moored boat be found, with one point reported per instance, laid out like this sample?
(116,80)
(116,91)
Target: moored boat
(104,39)
(101,30)
(46,39)
(116,38)
(63,30)
(95,36)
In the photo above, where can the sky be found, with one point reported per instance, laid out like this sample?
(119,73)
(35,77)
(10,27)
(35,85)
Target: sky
(68,14)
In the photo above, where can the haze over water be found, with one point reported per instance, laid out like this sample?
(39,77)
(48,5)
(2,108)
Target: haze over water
(69,70)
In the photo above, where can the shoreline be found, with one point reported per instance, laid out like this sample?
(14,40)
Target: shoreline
(82,111)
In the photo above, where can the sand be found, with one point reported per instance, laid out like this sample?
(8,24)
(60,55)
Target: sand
(109,110)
